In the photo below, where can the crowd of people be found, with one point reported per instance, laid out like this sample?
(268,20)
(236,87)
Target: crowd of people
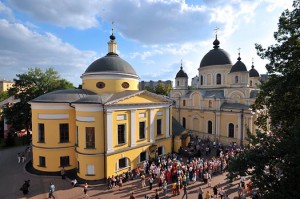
(182,171)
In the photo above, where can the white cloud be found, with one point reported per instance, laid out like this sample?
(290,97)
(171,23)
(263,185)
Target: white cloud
(6,11)
(22,48)
(80,14)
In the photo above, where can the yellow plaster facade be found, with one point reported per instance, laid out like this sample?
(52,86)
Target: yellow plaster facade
(103,129)
(218,106)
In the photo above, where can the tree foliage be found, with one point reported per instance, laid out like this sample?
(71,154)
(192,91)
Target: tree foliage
(273,156)
(160,89)
(3,95)
(28,86)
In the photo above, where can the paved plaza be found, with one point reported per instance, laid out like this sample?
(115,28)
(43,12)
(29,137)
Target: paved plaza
(13,176)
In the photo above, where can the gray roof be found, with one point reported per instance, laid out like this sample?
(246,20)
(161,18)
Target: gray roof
(212,93)
(111,63)
(239,66)
(94,99)
(81,96)
(177,129)
(253,72)
(63,96)
(234,106)
(253,93)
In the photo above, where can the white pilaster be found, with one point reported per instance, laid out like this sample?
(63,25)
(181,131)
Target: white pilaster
(133,127)
(168,122)
(250,123)
(239,128)
(151,125)
(109,133)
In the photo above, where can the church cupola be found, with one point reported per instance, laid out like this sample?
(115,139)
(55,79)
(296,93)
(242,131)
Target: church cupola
(239,72)
(254,78)
(181,79)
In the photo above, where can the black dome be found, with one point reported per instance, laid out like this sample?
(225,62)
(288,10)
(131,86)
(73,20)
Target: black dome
(181,73)
(239,66)
(110,63)
(253,72)
(215,56)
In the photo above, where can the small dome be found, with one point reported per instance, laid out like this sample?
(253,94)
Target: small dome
(253,72)
(216,56)
(239,66)
(110,63)
(181,73)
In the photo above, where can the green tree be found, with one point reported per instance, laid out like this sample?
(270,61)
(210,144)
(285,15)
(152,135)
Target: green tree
(28,86)
(272,157)
(3,95)
(162,89)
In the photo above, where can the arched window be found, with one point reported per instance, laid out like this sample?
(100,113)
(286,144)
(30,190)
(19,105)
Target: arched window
(209,127)
(231,130)
(250,82)
(236,79)
(177,83)
(219,79)
(183,122)
(201,80)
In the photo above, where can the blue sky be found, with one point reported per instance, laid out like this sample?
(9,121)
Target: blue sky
(152,35)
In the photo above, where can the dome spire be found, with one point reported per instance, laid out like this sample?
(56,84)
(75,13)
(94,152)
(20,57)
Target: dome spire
(181,65)
(252,63)
(112,45)
(239,58)
(112,36)
(216,43)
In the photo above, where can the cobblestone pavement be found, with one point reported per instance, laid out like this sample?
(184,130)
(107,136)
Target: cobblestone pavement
(13,176)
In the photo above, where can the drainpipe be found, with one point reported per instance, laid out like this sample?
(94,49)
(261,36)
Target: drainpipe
(105,144)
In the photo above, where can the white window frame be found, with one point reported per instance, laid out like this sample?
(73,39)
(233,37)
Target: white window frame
(90,169)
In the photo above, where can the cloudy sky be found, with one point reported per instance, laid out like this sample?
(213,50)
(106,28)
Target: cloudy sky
(152,35)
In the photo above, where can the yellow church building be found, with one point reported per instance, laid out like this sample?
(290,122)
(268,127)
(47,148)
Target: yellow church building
(106,128)
(218,107)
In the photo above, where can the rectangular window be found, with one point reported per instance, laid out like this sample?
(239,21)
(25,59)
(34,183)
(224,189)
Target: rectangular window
(160,150)
(42,161)
(183,102)
(121,133)
(64,161)
(122,163)
(142,130)
(143,156)
(90,137)
(78,167)
(158,127)
(41,132)
(64,132)
(90,169)
(76,141)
